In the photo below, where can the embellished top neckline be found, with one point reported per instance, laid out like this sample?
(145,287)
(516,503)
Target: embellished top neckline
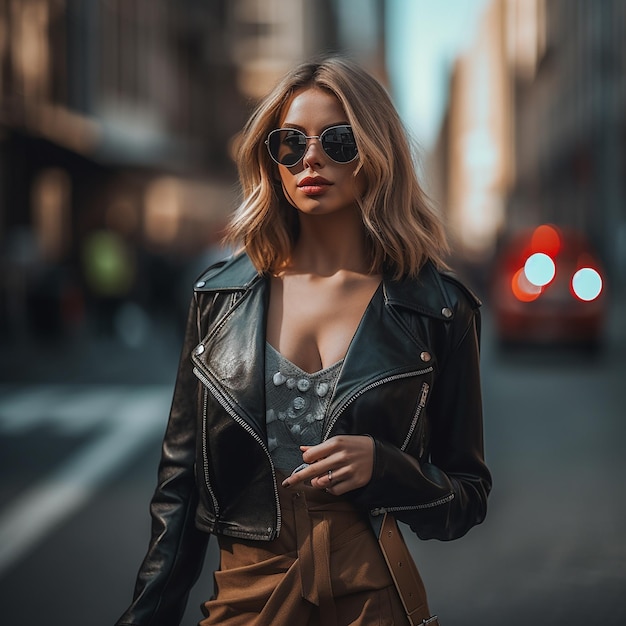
(322,372)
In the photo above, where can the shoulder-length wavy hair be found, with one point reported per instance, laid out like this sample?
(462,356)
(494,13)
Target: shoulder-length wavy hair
(402,230)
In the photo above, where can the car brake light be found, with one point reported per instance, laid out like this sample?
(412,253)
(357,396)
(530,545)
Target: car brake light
(586,284)
(546,239)
(523,289)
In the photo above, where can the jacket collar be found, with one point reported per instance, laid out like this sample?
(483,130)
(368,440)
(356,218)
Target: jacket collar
(235,273)
(424,294)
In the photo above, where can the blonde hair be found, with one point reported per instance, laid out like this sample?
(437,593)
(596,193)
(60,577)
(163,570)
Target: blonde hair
(402,230)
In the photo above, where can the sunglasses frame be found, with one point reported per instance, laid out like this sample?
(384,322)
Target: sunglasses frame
(307,137)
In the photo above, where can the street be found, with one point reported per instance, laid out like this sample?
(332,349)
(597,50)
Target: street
(78,462)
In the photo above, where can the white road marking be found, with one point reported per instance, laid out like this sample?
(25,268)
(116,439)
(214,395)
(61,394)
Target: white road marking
(69,410)
(87,408)
(59,495)
(25,407)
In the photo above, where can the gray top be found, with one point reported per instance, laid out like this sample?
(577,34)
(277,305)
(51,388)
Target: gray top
(296,403)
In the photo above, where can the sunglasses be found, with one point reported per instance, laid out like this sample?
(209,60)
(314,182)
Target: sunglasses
(287,146)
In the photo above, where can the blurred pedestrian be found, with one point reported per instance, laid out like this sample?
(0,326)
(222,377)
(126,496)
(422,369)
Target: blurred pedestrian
(329,376)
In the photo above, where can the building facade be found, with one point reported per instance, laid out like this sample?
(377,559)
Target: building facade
(570,124)
(117,120)
(535,129)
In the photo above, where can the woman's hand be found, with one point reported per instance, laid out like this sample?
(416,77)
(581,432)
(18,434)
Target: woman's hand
(338,465)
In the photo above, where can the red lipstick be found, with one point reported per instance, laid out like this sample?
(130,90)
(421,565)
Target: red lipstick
(313,185)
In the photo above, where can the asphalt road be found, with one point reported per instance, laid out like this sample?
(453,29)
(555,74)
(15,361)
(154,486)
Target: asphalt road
(78,463)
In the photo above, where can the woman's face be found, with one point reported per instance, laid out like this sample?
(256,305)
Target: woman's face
(317,185)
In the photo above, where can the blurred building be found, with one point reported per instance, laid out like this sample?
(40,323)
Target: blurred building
(535,129)
(475,141)
(569,76)
(117,119)
(272,35)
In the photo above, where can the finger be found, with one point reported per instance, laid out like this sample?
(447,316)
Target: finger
(294,479)
(321,482)
(336,487)
(326,479)
(345,445)
(312,454)
(342,476)
(304,475)
(314,471)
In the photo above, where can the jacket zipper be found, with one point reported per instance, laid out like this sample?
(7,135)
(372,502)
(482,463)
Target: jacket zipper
(373,385)
(205,454)
(422,403)
(228,408)
(415,507)
(418,412)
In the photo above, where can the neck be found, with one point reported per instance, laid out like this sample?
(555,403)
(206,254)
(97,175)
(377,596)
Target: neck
(328,244)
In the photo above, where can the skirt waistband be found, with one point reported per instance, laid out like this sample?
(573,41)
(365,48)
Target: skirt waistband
(325,551)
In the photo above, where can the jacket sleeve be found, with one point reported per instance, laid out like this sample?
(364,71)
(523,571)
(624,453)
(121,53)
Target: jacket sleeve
(443,494)
(176,551)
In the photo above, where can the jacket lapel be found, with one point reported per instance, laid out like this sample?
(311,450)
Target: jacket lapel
(383,346)
(235,353)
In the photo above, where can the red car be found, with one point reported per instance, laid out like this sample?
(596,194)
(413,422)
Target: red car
(548,288)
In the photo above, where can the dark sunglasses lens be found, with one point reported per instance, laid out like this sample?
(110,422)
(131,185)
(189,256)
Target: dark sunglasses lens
(339,144)
(286,146)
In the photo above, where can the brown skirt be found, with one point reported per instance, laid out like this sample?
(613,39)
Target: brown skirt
(325,568)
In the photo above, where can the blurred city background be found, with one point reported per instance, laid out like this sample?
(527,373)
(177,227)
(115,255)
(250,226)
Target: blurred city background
(117,121)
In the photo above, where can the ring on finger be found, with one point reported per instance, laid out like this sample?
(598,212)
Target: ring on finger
(330,476)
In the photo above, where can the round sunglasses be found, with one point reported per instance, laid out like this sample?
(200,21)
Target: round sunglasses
(287,146)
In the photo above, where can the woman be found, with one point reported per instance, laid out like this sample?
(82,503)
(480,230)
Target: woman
(330,372)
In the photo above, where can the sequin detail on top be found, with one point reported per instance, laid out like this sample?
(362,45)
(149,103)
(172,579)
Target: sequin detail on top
(295,407)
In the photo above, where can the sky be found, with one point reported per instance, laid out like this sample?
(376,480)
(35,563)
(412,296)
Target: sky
(423,39)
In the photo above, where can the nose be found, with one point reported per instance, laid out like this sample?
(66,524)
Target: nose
(313,155)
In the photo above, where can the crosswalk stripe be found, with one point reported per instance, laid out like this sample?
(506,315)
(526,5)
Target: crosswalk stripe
(25,407)
(87,408)
(71,410)
(140,417)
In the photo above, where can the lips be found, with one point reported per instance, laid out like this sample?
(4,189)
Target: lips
(313,185)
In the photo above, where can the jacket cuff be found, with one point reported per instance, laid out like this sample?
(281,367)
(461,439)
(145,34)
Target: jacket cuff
(399,480)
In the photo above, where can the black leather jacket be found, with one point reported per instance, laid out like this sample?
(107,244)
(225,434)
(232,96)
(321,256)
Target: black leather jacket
(410,380)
